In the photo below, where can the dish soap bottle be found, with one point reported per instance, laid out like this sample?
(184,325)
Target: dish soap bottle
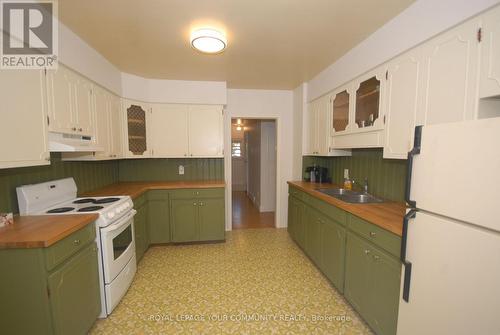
(347,181)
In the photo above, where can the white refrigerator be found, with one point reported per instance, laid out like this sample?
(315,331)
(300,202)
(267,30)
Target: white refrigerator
(451,235)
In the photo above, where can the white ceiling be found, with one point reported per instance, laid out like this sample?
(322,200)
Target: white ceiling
(273,44)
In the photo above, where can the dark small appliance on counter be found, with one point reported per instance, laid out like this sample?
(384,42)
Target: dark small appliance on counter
(316,174)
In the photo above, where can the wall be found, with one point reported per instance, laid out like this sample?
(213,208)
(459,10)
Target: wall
(239,164)
(267,166)
(299,107)
(155,169)
(253,135)
(173,91)
(386,177)
(88,176)
(419,22)
(263,104)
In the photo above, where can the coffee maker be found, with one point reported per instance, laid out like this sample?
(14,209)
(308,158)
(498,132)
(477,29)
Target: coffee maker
(316,174)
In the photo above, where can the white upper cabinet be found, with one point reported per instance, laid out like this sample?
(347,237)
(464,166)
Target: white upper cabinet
(69,102)
(490,59)
(24,118)
(137,118)
(403,96)
(102,117)
(450,77)
(169,129)
(205,131)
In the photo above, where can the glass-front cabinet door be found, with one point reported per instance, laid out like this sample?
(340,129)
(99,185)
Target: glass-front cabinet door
(340,111)
(367,102)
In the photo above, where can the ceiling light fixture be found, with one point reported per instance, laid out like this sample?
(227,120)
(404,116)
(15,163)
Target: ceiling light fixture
(208,40)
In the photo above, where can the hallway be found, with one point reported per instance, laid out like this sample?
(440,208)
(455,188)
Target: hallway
(246,215)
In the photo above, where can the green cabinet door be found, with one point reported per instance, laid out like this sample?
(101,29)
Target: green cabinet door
(384,289)
(211,220)
(158,216)
(300,224)
(292,217)
(357,273)
(141,232)
(183,220)
(313,235)
(75,294)
(333,251)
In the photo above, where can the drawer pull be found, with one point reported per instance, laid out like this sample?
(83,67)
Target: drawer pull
(376,257)
(372,234)
(367,251)
(201,203)
(194,203)
(76,242)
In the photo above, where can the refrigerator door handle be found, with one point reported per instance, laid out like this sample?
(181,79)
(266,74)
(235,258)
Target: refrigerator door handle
(406,283)
(409,168)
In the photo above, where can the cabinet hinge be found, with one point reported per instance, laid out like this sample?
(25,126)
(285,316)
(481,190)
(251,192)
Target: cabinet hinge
(48,120)
(479,35)
(45,71)
(384,119)
(48,292)
(386,74)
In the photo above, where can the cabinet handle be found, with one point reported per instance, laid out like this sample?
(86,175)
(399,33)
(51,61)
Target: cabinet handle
(76,242)
(372,234)
(376,257)
(367,251)
(80,129)
(194,203)
(201,203)
(74,128)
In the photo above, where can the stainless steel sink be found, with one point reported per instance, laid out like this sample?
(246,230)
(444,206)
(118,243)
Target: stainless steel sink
(349,196)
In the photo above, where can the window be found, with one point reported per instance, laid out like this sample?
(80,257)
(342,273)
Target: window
(236,149)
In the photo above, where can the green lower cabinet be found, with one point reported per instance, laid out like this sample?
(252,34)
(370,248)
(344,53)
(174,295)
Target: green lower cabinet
(313,235)
(39,297)
(372,279)
(184,220)
(211,219)
(141,229)
(158,216)
(333,237)
(74,293)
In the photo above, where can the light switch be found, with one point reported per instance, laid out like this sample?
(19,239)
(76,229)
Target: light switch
(181,169)
(346,173)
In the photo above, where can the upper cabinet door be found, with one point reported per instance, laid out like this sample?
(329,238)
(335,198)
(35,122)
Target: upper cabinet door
(205,131)
(450,80)
(402,102)
(24,116)
(368,97)
(169,131)
(490,62)
(115,126)
(312,147)
(83,106)
(102,117)
(340,102)
(136,129)
(60,100)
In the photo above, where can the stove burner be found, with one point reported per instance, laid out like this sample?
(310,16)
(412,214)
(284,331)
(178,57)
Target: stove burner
(60,210)
(105,200)
(84,201)
(90,208)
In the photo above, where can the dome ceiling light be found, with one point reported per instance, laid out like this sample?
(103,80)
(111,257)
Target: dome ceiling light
(208,40)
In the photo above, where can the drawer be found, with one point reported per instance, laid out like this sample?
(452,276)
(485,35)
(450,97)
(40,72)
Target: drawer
(62,250)
(292,191)
(381,237)
(329,210)
(140,201)
(158,195)
(197,193)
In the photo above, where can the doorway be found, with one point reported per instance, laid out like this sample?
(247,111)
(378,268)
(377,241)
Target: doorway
(253,173)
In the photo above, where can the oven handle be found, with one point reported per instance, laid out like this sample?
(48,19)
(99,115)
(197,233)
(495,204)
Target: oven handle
(120,223)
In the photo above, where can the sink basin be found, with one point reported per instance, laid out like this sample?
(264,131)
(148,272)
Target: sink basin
(349,196)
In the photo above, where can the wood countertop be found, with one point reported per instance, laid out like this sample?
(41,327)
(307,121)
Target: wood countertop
(136,189)
(387,215)
(41,231)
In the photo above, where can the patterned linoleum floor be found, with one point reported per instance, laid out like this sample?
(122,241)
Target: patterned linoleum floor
(258,282)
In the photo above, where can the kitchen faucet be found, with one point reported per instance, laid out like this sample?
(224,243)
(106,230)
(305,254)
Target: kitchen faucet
(364,187)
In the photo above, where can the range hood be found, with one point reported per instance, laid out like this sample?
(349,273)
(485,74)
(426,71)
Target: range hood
(72,143)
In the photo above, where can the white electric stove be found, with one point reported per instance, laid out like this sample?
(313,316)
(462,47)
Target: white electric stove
(114,230)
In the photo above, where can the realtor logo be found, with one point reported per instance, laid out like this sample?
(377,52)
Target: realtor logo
(29,34)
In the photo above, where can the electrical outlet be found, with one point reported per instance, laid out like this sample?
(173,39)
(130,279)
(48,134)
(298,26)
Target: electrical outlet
(346,173)
(181,169)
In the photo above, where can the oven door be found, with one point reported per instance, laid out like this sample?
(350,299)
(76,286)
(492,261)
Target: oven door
(118,245)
